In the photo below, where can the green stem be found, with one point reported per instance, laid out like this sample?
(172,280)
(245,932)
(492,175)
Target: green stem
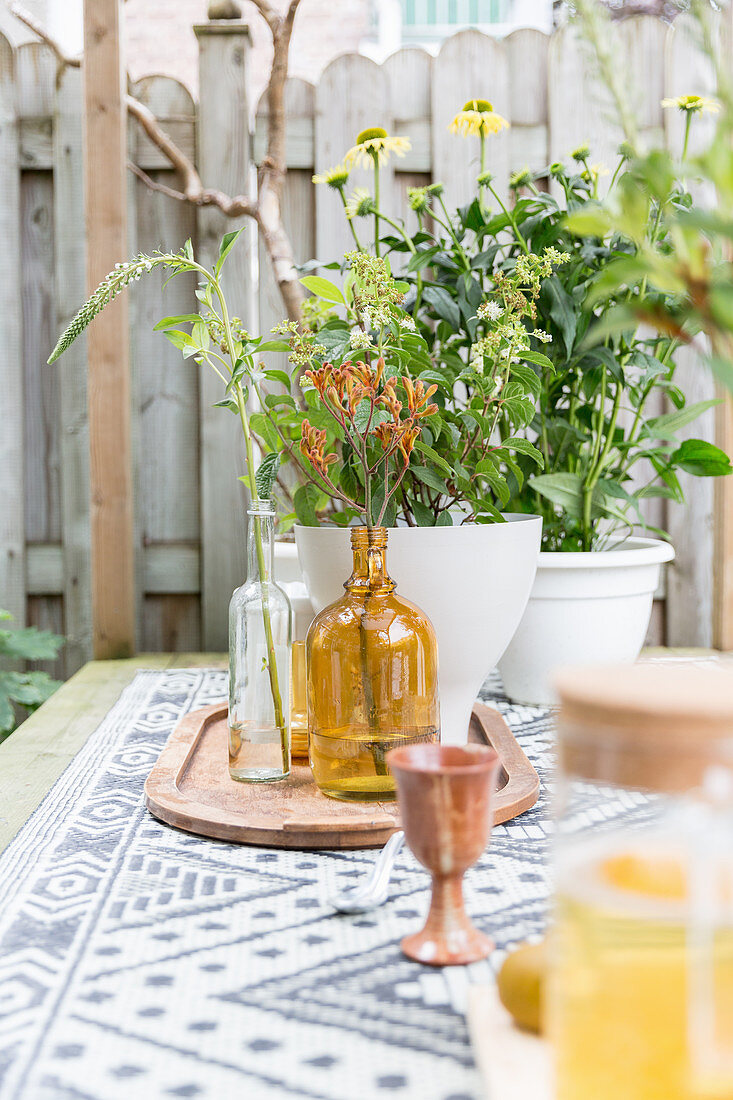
(357,242)
(482,205)
(375,157)
(266,617)
(513,221)
(448,225)
(688,124)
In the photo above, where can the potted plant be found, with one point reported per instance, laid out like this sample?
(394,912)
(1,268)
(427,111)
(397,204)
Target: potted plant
(451,540)
(604,451)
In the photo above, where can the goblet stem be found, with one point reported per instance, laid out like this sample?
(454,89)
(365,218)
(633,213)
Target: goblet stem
(448,938)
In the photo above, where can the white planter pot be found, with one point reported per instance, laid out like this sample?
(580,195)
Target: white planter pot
(585,608)
(472,581)
(286,566)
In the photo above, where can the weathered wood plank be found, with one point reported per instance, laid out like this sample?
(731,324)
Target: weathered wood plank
(165,386)
(71,370)
(352,94)
(173,622)
(113,586)
(298,205)
(224,161)
(42,426)
(12,520)
(167,568)
(527,51)
(47,613)
(690,610)
(470,65)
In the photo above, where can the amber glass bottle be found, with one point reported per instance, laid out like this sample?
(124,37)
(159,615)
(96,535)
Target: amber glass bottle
(372,667)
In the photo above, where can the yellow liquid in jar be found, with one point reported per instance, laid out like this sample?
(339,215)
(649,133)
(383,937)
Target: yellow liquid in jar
(624,985)
(351,766)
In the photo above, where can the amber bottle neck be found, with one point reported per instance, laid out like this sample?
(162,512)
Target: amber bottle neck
(369,548)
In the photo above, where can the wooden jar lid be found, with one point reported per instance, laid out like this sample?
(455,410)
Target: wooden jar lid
(650,726)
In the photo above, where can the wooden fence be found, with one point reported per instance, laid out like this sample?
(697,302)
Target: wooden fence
(188,504)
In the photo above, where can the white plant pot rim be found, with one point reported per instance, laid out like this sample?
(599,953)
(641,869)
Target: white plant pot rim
(632,551)
(510,517)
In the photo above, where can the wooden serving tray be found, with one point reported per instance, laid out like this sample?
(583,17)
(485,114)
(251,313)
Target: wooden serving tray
(189,787)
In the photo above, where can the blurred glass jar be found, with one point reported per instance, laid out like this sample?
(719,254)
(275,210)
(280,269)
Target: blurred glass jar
(259,662)
(639,1000)
(372,665)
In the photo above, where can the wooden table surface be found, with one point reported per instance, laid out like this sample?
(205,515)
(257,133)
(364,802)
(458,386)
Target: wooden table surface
(35,755)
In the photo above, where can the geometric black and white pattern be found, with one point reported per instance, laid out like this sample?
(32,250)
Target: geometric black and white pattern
(137,961)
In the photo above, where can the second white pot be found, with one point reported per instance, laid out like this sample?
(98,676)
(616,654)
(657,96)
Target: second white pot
(473,582)
(585,608)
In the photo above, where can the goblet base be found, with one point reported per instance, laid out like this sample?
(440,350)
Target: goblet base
(462,946)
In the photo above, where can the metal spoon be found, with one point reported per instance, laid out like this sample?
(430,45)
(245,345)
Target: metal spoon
(373,889)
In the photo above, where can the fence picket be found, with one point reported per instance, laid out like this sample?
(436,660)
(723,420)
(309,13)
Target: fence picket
(352,94)
(470,65)
(165,386)
(690,577)
(12,454)
(70,267)
(223,142)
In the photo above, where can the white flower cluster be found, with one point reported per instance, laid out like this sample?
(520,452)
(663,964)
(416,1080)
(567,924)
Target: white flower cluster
(360,340)
(407,323)
(489,311)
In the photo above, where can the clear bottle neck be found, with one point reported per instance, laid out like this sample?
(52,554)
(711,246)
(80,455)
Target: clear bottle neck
(369,548)
(260,540)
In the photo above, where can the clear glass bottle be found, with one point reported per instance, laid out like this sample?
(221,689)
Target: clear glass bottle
(372,668)
(639,998)
(260,626)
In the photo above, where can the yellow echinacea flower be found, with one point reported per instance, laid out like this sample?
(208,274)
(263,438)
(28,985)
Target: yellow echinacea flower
(478,117)
(334,177)
(690,104)
(375,144)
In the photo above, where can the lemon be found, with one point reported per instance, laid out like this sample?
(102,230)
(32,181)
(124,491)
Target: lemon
(521,983)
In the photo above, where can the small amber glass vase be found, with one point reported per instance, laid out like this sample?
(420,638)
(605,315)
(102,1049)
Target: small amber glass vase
(372,669)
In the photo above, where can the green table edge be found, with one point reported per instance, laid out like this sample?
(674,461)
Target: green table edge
(35,755)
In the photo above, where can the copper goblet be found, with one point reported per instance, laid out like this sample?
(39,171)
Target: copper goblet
(445,796)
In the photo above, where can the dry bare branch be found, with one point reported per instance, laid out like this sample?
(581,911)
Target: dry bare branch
(32,24)
(266,209)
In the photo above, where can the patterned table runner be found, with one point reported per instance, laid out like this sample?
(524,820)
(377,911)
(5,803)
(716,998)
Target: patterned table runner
(139,961)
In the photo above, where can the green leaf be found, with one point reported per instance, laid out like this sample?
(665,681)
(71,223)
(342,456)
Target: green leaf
(273,345)
(422,258)
(445,519)
(588,221)
(423,515)
(30,644)
(565,490)
(701,459)
(305,500)
(179,339)
(432,454)
(227,244)
(667,425)
(523,446)
(323,288)
(429,477)
(181,319)
(266,475)
(227,403)
(561,308)
(280,376)
(538,359)
(443,304)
